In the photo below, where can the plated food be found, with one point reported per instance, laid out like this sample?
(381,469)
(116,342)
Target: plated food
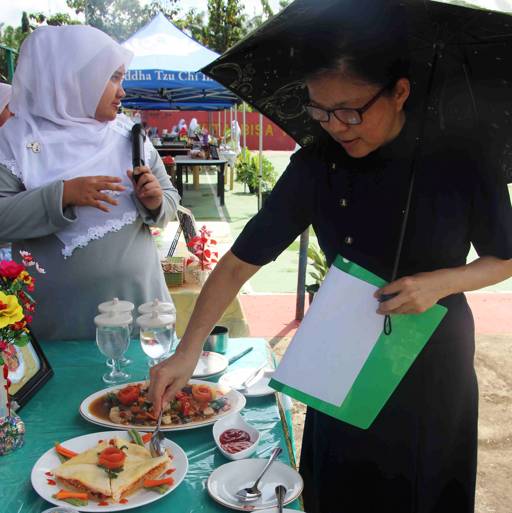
(107,471)
(200,403)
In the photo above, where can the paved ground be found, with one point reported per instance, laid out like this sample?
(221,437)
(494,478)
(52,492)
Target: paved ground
(272,317)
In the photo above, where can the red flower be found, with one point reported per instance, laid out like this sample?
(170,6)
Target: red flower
(10,269)
(28,319)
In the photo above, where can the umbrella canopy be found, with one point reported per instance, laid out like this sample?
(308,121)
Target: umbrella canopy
(164,73)
(461,71)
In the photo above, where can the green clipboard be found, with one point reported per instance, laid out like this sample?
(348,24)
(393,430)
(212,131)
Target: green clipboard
(386,365)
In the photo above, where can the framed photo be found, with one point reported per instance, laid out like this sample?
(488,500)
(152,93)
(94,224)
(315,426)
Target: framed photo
(214,152)
(29,370)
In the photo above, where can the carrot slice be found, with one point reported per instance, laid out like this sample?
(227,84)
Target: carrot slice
(67,453)
(150,483)
(147,437)
(64,494)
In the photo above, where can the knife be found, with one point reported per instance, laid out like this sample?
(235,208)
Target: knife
(233,359)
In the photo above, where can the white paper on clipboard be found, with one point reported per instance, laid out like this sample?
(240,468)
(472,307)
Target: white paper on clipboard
(334,339)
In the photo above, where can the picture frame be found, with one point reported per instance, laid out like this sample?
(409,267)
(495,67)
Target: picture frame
(214,152)
(29,370)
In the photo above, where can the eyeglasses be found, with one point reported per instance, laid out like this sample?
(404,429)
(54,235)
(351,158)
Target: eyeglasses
(345,115)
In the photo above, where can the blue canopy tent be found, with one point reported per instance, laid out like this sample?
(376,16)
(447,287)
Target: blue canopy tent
(163,74)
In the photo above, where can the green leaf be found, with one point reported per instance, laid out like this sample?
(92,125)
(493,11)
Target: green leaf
(22,340)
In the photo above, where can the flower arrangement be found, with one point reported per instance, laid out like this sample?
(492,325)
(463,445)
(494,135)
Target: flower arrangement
(201,247)
(16,306)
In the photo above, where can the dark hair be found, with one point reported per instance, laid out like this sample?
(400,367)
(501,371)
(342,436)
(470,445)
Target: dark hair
(367,43)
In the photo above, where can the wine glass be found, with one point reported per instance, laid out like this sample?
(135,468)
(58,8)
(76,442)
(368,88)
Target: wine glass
(156,343)
(113,339)
(117,306)
(156,334)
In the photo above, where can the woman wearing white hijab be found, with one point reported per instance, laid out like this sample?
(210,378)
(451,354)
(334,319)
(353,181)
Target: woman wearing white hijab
(192,128)
(5,96)
(65,194)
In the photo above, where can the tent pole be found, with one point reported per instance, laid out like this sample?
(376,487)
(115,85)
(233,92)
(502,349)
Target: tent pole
(224,133)
(231,127)
(261,162)
(243,122)
(219,128)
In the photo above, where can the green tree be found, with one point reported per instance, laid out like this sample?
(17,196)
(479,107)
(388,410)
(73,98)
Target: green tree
(121,18)
(226,24)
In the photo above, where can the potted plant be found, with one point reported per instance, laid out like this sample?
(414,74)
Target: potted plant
(320,267)
(248,172)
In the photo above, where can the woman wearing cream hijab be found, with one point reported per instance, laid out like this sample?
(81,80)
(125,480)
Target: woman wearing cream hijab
(65,193)
(5,96)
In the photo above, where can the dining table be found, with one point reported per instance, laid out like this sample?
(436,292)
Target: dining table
(52,414)
(220,164)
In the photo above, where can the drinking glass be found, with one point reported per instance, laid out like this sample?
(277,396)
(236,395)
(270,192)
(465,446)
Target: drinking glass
(113,341)
(156,343)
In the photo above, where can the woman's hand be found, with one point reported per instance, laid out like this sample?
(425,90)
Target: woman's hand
(169,377)
(147,188)
(87,191)
(414,294)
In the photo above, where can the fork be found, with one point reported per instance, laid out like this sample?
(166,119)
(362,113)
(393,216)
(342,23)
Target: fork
(155,444)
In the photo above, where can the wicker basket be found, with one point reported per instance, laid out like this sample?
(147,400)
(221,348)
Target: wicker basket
(174,270)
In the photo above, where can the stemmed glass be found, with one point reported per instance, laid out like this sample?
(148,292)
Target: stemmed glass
(113,339)
(117,306)
(156,335)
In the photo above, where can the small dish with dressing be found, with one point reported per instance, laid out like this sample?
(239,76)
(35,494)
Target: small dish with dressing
(235,438)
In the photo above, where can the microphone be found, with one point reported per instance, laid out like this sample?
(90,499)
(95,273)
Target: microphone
(138,139)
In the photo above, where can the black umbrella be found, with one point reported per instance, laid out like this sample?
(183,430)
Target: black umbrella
(461,65)
(461,70)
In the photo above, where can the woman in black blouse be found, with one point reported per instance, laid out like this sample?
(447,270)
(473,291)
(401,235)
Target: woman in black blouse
(419,456)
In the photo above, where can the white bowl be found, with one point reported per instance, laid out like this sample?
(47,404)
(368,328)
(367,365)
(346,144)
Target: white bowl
(236,421)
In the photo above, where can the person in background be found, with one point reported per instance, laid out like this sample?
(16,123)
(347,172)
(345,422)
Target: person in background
(5,96)
(193,129)
(65,192)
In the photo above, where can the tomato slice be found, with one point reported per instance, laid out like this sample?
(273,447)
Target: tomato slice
(111,458)
(202,393)
(128,395)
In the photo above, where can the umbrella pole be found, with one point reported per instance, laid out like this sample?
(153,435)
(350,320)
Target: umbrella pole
(243,122)
(419,141)
(301,277)
(260,177)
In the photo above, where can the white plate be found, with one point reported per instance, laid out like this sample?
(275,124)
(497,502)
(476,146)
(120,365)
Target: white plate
(49,461)
(234,379)
(210,364)
(236,400)
(226,480)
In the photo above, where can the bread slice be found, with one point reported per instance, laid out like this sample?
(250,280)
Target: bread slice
(82,472)
(138,466)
